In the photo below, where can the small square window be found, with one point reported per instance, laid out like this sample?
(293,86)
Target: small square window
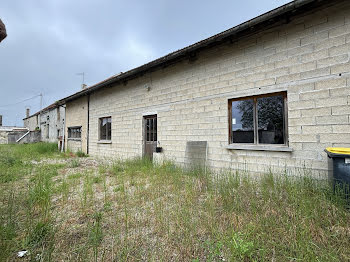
(74,132)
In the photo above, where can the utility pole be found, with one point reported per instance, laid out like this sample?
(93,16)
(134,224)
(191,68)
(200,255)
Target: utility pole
(41,101)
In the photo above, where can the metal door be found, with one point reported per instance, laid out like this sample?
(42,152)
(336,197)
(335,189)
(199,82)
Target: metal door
(150,135)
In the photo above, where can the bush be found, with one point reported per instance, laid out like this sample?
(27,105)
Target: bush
(81,154)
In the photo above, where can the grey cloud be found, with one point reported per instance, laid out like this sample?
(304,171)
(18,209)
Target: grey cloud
(49,41)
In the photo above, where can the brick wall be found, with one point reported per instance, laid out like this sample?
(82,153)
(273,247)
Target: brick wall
(308,58)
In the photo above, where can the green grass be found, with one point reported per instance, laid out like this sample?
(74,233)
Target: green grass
(135,211)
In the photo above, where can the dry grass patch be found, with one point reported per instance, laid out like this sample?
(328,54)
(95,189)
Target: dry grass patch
(133,210)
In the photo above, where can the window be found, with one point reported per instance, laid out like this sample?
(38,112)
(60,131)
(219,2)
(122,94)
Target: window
(105,128)
(151,128)
(74,132)
(58,113)
(258,119)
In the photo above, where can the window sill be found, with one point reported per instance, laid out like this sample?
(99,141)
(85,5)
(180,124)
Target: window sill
(74,139)
(260,147)
(104,142)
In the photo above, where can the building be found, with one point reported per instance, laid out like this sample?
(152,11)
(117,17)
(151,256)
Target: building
(10,134)
(269,94)
(50,121)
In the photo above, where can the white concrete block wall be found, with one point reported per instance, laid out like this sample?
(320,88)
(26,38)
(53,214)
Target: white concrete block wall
(308,58)
(76,115)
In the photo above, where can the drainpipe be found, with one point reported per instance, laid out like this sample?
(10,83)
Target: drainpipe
(19,139)
(64,131)
(88,124)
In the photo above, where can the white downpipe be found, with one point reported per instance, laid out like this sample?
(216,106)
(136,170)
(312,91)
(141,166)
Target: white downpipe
(64,131)
(19,139)
(206,159)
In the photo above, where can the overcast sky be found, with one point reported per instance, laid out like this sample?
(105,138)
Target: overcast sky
(50,41)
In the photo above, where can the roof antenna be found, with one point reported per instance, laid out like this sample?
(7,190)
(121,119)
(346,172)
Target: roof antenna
(83,85)
(41,101)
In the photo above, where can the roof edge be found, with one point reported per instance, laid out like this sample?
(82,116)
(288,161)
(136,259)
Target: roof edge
(252,25)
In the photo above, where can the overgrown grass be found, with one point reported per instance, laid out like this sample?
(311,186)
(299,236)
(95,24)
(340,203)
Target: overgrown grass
(136,211)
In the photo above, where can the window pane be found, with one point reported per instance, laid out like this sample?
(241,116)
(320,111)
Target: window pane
(271,120)
(243,121)
(103,129)
(109,130)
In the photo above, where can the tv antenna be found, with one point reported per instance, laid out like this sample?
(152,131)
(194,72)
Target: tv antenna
(83,75)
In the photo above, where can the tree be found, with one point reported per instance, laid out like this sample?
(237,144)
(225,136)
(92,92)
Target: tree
(2,31)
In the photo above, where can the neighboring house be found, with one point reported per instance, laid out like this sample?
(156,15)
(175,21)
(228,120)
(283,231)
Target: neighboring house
(10,134)
(269,94)
(50,121)
(31,122)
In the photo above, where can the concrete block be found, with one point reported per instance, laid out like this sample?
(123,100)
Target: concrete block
(324,120)
(341,110)
(327,102)
(330,43)
(342,68)
(301,104)
(339,49)
(317,20)
(288,78)
(337,92)
(316,73)
(341,129)
(294,113)
(315,94)
(317,129)
(302,121)
(314,56)
(323,111)
(334,138)
(330,61)
(331,83)
(314,38)
(301,88)
(303,67)
(341,30)
(301,50)
(294,130)
(265,82)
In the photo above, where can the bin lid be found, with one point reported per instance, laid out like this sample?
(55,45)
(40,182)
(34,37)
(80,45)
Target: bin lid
(338,151)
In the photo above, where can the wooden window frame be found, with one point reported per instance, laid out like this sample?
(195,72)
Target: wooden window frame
(99,129)
(69,132)
(255,119)
(152,134)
